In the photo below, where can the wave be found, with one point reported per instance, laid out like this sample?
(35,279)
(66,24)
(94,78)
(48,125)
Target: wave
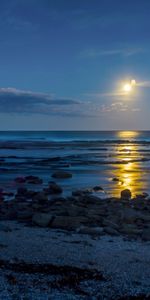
(43,142)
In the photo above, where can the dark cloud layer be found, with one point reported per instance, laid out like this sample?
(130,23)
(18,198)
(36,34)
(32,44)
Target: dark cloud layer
(18,101)
(26,102)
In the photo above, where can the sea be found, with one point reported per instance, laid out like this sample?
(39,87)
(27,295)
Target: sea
(112,160)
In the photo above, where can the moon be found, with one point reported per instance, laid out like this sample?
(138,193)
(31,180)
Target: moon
(128,86)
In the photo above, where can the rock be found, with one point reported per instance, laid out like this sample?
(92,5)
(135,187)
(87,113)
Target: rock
(42,219)
(8,194)
(130,229)
(62,175)
(11,214)
(146,234)
(33,179)
(40,197)
(5,228)
(139,204)
(90,199)
(111,224)
(22,206)
(97,188)
(54,188)
(36,206)
(84,192)
(91,230)
(24,215)
(142,196)
(96,215)
(68,223)
(111,231)
(21,191)
(75,211)
(126,194)
(31,194)
(145,217)
(130,215)
(20,180)
(116,179)
(77,193)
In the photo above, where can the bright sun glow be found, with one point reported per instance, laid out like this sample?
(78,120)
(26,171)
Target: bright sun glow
(128,86)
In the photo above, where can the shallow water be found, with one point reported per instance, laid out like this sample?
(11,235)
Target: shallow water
(94,158)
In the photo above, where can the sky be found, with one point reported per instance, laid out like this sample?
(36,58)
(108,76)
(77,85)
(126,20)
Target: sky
(63,64)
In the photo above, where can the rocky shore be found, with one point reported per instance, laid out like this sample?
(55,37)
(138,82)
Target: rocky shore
(77,247)
(83,212)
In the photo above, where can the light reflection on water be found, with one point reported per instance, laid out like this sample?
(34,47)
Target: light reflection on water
(99,157)
(128,134)
(130,173)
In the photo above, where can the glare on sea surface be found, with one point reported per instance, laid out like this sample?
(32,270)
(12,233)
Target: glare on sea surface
(129,171)
(128,134)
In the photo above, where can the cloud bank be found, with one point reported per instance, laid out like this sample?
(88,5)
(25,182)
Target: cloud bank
(18,101)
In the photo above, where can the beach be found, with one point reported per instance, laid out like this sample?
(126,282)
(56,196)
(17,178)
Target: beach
(74,216)
(36,263)
(74,150)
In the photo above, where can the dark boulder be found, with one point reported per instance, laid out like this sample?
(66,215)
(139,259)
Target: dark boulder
(97,188)
(115,179)
(20,180)
(40,197)
(62,175)
(42,219)
(33,179)
(126,194)
(53,188)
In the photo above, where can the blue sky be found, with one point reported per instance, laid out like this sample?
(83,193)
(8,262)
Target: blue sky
(62,64)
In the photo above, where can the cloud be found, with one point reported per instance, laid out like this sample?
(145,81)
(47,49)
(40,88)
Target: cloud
(114,107)
(107,95)
(143,84)
(111,52)
(19,24)
(18,101)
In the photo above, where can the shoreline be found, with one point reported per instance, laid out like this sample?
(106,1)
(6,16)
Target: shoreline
(77,247)
(90,162)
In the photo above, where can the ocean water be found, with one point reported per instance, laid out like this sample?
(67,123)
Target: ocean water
(93,158)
